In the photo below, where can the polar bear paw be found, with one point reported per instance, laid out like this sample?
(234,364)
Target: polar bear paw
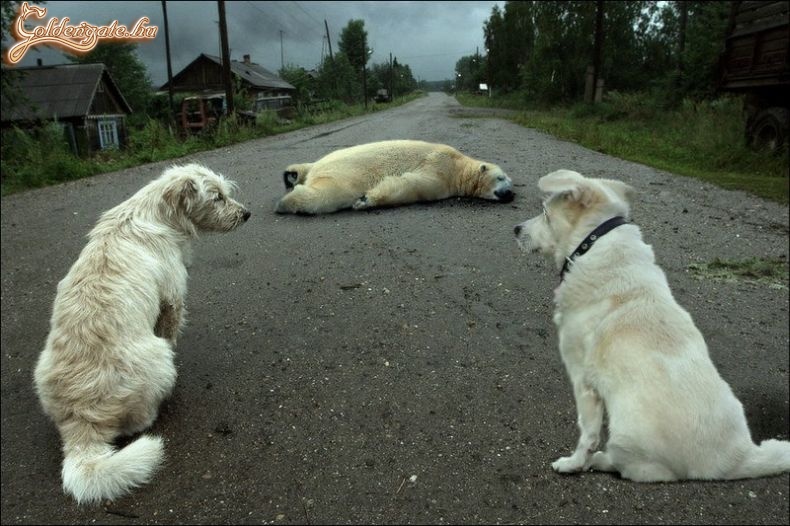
(363,203)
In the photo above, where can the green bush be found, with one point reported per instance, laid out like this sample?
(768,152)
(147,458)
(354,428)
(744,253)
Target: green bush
(33,158)
(266,121)
(156,142)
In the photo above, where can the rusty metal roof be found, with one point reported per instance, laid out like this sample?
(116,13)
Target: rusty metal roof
(61,91)
(253,73)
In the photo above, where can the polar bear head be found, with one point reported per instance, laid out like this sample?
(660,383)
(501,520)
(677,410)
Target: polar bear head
(494,184)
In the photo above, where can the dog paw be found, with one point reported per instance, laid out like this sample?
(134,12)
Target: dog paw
(363,203)
(600,461)
(568,465)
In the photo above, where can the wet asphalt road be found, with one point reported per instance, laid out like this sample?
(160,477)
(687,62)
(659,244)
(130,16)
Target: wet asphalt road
(330,360)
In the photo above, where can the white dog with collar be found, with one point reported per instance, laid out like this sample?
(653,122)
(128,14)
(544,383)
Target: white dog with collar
(632,351)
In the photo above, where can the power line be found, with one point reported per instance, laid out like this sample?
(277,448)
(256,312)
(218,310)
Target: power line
(274,21)
(283,10)
(318,23)
(287,12)
(439,55)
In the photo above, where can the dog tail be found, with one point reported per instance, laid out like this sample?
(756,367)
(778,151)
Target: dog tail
(94,470)
(771,457)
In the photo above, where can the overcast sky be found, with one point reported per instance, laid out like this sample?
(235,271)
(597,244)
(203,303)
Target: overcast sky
(428,36)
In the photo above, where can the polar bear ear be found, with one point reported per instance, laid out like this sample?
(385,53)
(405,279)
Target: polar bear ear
(483,168)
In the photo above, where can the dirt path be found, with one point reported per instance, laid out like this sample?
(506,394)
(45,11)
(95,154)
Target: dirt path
(329,360)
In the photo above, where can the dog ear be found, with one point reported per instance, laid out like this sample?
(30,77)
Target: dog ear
(560,182)
(624,191)
(571,185)
(182,193)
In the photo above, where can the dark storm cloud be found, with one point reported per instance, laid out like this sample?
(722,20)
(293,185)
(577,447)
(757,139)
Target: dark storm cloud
(429,36)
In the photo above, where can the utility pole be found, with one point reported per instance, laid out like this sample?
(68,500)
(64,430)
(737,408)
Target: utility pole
(476,80)
(329,41)
(169,66)
(226,78)
(488,73)
(282,53)
(391,94)
(219,43)
(365,70)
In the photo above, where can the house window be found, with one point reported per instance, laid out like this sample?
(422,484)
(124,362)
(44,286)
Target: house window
(108,134)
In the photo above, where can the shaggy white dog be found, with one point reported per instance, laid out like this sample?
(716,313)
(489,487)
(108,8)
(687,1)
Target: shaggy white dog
(630,349)
(108,359)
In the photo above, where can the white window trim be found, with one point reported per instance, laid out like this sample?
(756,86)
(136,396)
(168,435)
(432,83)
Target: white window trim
(111,130)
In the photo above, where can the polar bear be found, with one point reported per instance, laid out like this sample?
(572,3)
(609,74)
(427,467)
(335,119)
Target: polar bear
(389,173)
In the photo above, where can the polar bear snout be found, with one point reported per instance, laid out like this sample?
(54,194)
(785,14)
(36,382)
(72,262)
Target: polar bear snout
(500,186)
(505,195)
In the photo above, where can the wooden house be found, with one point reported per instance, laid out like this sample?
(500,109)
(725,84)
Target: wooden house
(83,98)
(204,75)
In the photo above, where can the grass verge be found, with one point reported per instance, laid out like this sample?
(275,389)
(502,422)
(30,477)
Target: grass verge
(772,272)
(704,140)
(41,157)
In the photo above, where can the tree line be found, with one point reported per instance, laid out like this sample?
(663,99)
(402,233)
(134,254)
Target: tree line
(543,49)
(346,75)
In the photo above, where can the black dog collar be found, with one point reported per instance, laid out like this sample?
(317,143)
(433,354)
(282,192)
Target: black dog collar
(588,242)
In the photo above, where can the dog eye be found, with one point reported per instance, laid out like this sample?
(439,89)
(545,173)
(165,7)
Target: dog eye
(219,197)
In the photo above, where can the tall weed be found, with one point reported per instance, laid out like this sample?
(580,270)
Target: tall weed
(703,139)
(39,158)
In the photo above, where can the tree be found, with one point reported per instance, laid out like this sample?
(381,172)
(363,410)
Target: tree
(338,80)
(297,77)
(470,71)
(509,37)
(126,69)
(544,48)
(562,50)
(705,32)
(655,46)
(353,43)
(378,78)
(403,80)
(341,78)
(10,95)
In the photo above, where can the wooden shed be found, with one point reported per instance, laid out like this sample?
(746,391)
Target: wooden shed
(83,98)
(204,75)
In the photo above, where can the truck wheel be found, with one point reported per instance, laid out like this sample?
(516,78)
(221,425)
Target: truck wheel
(769,131)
